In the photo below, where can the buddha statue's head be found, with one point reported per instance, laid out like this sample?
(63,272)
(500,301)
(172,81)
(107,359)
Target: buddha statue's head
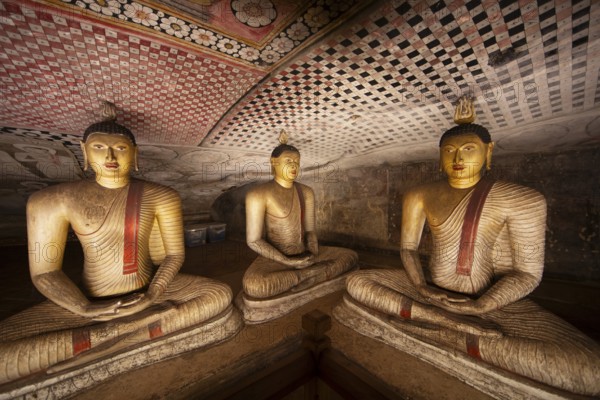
(464,151)
(110,150)
(285,163)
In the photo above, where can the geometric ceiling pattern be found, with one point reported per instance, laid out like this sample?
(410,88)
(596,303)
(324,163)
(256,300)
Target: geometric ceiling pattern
(387,77)
(55,70)
(170,86)
(392,77)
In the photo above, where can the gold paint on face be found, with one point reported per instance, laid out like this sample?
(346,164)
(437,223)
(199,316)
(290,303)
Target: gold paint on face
(110,156)
(463,157)
(286,167)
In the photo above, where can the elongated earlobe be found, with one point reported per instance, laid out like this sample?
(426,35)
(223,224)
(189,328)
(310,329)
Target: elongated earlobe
(488,158)
(86,164)
(135,159)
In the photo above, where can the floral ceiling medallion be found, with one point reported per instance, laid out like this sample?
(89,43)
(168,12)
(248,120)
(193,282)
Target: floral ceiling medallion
(254,13)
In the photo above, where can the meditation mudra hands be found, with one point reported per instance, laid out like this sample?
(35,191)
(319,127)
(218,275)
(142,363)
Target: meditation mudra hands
(68,295)
(297,261)
(307,258)
(454,302)
(439,296)
(106,310)
(301,261)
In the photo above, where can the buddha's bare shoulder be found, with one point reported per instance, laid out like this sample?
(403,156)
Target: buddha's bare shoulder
(262,189)
(427,189)
(63,191)
(61,198)
(258,194)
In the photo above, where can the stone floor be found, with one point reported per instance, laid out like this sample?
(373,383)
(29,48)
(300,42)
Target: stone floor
(577,302)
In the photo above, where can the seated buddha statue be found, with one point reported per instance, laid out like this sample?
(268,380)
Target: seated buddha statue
(291,268)
(487,256)
(132,238)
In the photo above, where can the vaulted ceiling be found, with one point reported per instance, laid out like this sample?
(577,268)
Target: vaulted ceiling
(206,85)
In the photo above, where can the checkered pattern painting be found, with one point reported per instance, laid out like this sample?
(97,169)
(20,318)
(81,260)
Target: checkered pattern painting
(391,77)
(54,72)
(384,76)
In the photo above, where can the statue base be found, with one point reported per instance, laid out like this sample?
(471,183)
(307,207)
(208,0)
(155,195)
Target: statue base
(495,382)
(256,311)
(77,379)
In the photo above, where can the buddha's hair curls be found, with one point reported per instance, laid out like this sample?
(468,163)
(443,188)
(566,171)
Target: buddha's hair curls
(277,151)
(464,129)
(110,127)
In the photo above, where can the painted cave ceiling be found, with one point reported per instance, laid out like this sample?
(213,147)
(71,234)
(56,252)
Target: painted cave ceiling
(206,85)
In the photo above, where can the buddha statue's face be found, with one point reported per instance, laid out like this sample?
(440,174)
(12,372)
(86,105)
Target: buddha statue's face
(463,157)
(111,156)
(287,166)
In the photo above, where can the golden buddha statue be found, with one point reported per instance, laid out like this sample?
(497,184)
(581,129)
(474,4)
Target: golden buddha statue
(131,233)
(488,255)
(291,268)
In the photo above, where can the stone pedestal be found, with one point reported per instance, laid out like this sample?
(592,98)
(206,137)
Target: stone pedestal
(78,379)
(495,382)
(256,311)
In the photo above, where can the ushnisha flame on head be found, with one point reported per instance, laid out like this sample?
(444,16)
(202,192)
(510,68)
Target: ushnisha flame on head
(464,116)
(109,124)
(283,146)
(465,111)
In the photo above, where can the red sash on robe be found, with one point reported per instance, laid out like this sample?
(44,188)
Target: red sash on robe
(464,263)
(132,222)
(81,340)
